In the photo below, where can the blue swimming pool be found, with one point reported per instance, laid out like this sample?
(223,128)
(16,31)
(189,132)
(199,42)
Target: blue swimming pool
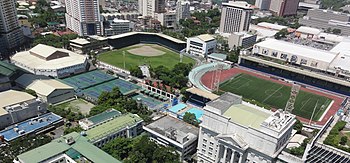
(197,112)
(177,107)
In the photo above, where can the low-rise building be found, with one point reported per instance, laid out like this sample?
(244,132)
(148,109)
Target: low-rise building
(241,39)
(16,106)
(88,123)
(71,148)
(201,45)
(50,91)
(118,26)
(49,61)
(169,131)
(307,32)
(91,43)
(167,19)
(127,125)
(235,131)
(8,73)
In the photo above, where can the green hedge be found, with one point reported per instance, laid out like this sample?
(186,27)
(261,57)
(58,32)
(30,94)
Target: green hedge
(333,138)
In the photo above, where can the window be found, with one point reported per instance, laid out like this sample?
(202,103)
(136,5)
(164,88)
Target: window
(204,146)
(203,150)
(205,140)
(274,54)
(264,51)
(211,143)
(284,56)
(303,61)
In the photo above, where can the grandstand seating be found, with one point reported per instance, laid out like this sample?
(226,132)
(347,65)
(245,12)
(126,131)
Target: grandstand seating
(196,74)
(324,153)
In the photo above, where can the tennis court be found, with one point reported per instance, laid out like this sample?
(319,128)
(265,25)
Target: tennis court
(148,101)
(88,79)
(276,95)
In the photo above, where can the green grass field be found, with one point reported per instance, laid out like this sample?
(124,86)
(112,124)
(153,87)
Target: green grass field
(116,58)
(276,95)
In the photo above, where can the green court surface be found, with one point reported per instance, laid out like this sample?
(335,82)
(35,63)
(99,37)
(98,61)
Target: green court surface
(276,95)
(116,58)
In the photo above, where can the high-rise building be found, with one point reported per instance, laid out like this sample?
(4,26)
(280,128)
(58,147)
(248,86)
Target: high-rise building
(237,132)
(83,17)
(11,35)
(151,7)
(284,7)
(235,17)
(263,4)
(182,10)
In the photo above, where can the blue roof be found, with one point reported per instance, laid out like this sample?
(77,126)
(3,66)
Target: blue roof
(178,107)
(197,112)
(30,126)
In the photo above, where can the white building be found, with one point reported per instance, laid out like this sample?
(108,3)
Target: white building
(263,4)
(172,132)
(50,91)
(236,131)
(49,61)
(307,32)
(83,17)
(235,17)
(16,106)
(11,35)
(151,7)
(241,39)
(118,26)
(182,10)
(336,61)
(167,19)
(201,45)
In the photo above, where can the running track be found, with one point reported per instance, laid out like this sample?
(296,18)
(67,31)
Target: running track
(227,74)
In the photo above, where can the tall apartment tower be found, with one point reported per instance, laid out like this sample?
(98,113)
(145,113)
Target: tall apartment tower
(182,10)
(11,35)
(284,7)
(83,17)
(235,17)
(263,4)
(151,7)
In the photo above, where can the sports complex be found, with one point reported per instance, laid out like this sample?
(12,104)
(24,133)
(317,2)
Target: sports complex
(267,91)
(137,48)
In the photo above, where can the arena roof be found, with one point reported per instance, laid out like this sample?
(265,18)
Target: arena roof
(299,50)
(59,146)
(11,97)
(46,87)
(146,33)
(35,62)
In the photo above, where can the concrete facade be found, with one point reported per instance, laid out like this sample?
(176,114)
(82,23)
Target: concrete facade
(201,45)
(235,17)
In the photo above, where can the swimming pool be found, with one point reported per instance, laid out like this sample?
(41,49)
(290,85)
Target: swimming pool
(177,107)
(197,112)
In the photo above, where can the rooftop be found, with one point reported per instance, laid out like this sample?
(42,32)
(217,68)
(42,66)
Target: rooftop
(299,50)
(239,4)
(12,97)
(309,30)
(202,93)
(59,146)
(218,56)
(46,87)
(7,69)
(225,101)
(116,20)
(174,129)
(80,41)
(104,116)
(37,62)
(146,33)
(206,37)
(271,26)
(246,116)
(30,126)
(111,126)
(27,79)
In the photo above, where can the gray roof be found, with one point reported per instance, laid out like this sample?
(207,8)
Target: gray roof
(225,101)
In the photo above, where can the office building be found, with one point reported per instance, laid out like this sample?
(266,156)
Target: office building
(182,10)
(241,39)
(172,132)
(71,148)
(284,7)
(263,4)
(235,131)
(16,106)
(11,35)
(327,19)
(118,26)
(127,126)
(167,19)
(49,61)
(151,7)
(201,45)
(235,17)
(83,17)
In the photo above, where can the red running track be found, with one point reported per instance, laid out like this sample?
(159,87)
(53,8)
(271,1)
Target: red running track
(227,74)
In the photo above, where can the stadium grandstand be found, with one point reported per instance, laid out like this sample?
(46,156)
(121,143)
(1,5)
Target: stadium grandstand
(196,74)
(199,97)
(132,38)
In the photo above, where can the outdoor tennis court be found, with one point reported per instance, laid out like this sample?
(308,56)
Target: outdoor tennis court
(87,79)
(148,101)
(276,95)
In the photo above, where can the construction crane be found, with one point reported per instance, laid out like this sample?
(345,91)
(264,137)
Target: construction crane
(293,95)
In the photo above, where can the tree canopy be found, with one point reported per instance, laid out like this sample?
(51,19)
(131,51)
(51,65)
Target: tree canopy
(191,119)
(55,41)
(176,77)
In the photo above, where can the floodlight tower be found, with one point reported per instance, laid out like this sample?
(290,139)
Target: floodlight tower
(216,77)
(293,95)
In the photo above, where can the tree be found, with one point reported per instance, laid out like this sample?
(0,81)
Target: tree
(343,140)
(281,34)
(31,92)
(298,126)
(136,71)
(119,148)
(190,118)
(68,130)
(336,31)
(234,54)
